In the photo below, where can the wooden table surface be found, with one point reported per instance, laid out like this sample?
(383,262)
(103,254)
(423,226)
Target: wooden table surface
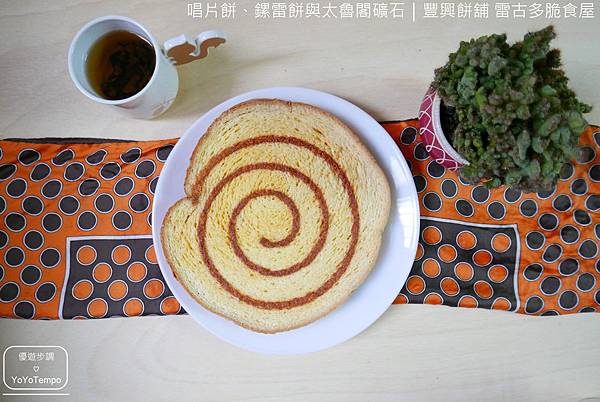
(384,66)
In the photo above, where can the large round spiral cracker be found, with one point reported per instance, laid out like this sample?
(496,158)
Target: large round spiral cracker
(283,218)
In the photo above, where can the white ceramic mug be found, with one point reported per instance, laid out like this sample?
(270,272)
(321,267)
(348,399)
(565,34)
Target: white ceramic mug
(161,90)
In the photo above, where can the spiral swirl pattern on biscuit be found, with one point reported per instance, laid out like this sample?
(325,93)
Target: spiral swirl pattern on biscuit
(283,215)
(262,192)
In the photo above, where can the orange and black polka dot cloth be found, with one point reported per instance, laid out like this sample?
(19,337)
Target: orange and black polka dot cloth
(75,233)
(75,229)
(503,249)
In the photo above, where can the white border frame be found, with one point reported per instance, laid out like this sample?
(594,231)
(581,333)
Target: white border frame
(35,346)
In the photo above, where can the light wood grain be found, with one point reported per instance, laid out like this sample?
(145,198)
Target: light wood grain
(412,352)
(382,66)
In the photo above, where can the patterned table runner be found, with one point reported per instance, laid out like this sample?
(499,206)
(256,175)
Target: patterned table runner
(75,233)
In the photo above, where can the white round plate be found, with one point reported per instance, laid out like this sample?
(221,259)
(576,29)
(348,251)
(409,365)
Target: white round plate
(384,282)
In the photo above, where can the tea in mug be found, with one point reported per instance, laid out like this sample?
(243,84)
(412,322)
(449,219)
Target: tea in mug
(120,64)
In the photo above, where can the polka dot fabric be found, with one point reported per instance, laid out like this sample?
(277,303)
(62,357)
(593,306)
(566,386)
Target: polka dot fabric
(503,249)
(469,266)
(114,276)
(75,234)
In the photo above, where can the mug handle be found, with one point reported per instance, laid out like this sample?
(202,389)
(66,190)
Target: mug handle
(180,50)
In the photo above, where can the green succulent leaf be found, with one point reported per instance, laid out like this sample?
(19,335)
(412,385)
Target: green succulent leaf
(523,143)
(538,145)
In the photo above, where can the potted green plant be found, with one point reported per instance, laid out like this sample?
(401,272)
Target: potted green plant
(503,114)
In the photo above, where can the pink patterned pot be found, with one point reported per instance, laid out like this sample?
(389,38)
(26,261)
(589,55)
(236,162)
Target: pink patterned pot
(436,143)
